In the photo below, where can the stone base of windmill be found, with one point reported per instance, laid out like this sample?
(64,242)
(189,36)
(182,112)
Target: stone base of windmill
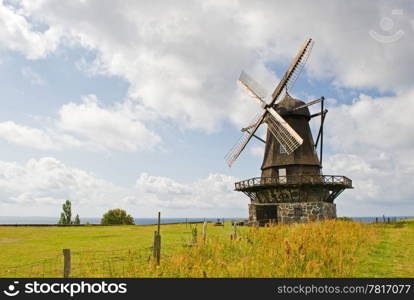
(288,213)
(292,199)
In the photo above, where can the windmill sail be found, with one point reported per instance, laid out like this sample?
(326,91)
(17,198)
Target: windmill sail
(299,68)
(283,132)
(278,127)
(239,146)
(253,88)
(294,67)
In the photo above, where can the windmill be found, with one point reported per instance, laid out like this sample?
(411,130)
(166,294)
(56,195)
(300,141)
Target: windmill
(291,187)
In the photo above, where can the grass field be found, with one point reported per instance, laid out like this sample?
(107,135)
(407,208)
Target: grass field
(320,249)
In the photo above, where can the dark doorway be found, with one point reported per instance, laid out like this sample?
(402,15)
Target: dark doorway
(266,213)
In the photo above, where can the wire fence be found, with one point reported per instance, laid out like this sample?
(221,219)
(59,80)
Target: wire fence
(126,262)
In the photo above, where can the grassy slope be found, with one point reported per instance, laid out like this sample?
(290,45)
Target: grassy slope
(319,249)
(393,254)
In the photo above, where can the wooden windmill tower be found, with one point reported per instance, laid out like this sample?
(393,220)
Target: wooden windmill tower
(291,187)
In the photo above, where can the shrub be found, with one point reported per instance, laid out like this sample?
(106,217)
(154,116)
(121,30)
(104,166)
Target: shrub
(117,217)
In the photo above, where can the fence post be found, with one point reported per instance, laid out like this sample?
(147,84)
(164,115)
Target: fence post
(66,263)
(159,222)
(157,241)
(204,232)
(233,236)
(154,245)
(194,235)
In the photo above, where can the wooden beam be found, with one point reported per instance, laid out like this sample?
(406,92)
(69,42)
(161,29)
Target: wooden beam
(322,121)
(308,104)
(325,111)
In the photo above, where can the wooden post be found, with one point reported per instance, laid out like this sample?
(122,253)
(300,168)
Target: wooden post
(158,249)
(204,232)
(185,222)
(159,222)
(376,220)
(66,263)
(157,241)
(195,234)
(234,235)
(154,245)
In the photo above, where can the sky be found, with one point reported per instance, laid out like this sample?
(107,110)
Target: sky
(133,104)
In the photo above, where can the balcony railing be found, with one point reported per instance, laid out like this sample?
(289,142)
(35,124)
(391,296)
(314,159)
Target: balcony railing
(294,180)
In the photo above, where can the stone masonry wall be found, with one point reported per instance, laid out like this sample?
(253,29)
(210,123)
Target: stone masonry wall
(305,211)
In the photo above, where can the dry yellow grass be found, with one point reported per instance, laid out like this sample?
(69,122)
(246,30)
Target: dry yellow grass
(321,249)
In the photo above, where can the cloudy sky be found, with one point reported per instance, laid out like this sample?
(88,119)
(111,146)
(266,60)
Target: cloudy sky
(134,104)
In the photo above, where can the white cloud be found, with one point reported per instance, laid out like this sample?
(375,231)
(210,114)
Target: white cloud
(36,138)
(212,193)
(47,182)
(18,34)
(116,128)
(372,139)
(181,59)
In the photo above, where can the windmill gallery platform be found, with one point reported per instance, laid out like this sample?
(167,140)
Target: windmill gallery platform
(292,199)
(291,188)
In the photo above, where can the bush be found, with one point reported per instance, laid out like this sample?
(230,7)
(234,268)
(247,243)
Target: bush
(117,217)
(344,219)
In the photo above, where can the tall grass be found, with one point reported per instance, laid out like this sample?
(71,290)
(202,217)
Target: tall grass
(321,249)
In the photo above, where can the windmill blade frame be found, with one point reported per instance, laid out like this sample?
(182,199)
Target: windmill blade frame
(293,66)
(235,151)
(283,132)
(252,87)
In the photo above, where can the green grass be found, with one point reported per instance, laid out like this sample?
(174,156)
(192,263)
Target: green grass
(29,247)
(393,254)
(320,249)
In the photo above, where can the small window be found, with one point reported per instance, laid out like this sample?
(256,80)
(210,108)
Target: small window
(282,149)
(298,211)
(282,175)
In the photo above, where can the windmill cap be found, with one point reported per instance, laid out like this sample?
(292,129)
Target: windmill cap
(286,106)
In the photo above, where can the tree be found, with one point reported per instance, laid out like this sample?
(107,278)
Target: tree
(66,215)
(77,220)
(117,217)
